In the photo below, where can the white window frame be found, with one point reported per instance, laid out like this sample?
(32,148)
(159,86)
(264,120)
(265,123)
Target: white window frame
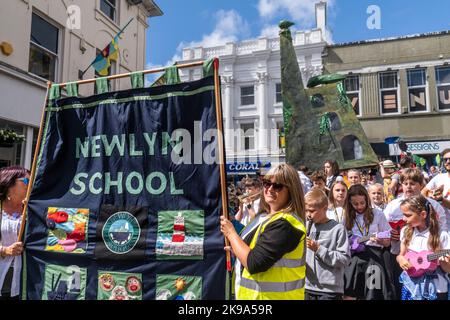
(115,6)
(278,103)
(427,95)
(389,89)
(59,46)
(358,91)
(439,85)
(244,136)
(244,106)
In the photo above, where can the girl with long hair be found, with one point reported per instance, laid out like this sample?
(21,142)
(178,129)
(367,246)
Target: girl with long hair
(422,234)
(366,277)
(336,201)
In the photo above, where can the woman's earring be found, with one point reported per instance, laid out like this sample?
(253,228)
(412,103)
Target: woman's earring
(9,198)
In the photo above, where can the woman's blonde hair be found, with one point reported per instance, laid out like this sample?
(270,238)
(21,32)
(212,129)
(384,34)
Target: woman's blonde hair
(288,176)
(417,204)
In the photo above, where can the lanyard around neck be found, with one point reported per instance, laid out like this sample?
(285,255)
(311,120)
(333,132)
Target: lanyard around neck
(361,228)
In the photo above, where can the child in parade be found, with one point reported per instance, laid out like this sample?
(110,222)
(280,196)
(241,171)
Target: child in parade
(354,176)
(336,199)
(328,250)
(376,195)
(366,276)
(422,234)
(249,205)
(319,180)
(331,169)
(412,182)
(390,179)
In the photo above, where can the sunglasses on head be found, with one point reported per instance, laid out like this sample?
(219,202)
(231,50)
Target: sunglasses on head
(25,180)
(276,186)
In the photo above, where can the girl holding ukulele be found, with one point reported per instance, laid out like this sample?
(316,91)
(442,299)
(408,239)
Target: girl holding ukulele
(422,234)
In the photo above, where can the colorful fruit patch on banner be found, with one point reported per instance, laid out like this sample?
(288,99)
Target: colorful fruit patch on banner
(67,229)
(119,286)
(174,287)
(64,283)
(180,235)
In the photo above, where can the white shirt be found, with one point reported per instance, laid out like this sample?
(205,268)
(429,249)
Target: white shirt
(419,242)
(246,216)
(393,213)
(338,178)
(336,214)
(436,182)
(379,224)
(306,182)
(10,229)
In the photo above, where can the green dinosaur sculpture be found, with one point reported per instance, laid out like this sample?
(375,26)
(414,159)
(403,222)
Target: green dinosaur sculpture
(319,122)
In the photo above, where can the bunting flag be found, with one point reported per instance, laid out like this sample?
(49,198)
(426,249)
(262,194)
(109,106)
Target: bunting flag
(438,160)
(103,61)
(419,161)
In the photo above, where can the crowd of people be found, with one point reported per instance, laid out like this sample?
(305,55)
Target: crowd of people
(331,235)
(323,235)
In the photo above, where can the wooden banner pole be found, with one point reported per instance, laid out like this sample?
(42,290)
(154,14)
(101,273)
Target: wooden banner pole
(33,167)
(220,140)
(124,75)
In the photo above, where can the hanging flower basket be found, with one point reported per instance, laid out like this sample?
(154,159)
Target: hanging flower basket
(9,137)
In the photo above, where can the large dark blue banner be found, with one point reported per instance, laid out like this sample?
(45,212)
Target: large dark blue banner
(126,200)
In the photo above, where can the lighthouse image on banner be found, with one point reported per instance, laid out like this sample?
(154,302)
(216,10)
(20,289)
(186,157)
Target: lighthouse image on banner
(319,122)
(180,235)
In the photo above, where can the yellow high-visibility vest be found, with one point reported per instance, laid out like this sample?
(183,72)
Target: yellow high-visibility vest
(285,280)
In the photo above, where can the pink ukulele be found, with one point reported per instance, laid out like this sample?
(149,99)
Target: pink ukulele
(423,261)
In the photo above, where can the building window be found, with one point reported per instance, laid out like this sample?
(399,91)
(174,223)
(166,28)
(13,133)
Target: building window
(108,7)
(247,96)
(389,92)
(248,137)
(278,96)
(417,90)
(351,85)
(43,48)
(443,87)
(281,137)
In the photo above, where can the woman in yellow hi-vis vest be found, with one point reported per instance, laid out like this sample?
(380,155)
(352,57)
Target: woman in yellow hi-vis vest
(272,255)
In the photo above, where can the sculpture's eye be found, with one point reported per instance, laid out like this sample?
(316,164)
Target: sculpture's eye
(317,100)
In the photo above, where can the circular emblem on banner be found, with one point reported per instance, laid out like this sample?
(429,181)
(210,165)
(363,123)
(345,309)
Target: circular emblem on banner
(121,232)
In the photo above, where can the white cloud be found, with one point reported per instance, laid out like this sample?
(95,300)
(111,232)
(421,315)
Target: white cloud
(269,31)
(230,27)
(149,78)
(301,11)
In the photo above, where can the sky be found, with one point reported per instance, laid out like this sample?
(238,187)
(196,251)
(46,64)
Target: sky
(193,23)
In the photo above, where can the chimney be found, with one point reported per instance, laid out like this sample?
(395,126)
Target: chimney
(321,15)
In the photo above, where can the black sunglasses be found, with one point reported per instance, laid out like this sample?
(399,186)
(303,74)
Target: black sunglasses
(445,159)
(276,186)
